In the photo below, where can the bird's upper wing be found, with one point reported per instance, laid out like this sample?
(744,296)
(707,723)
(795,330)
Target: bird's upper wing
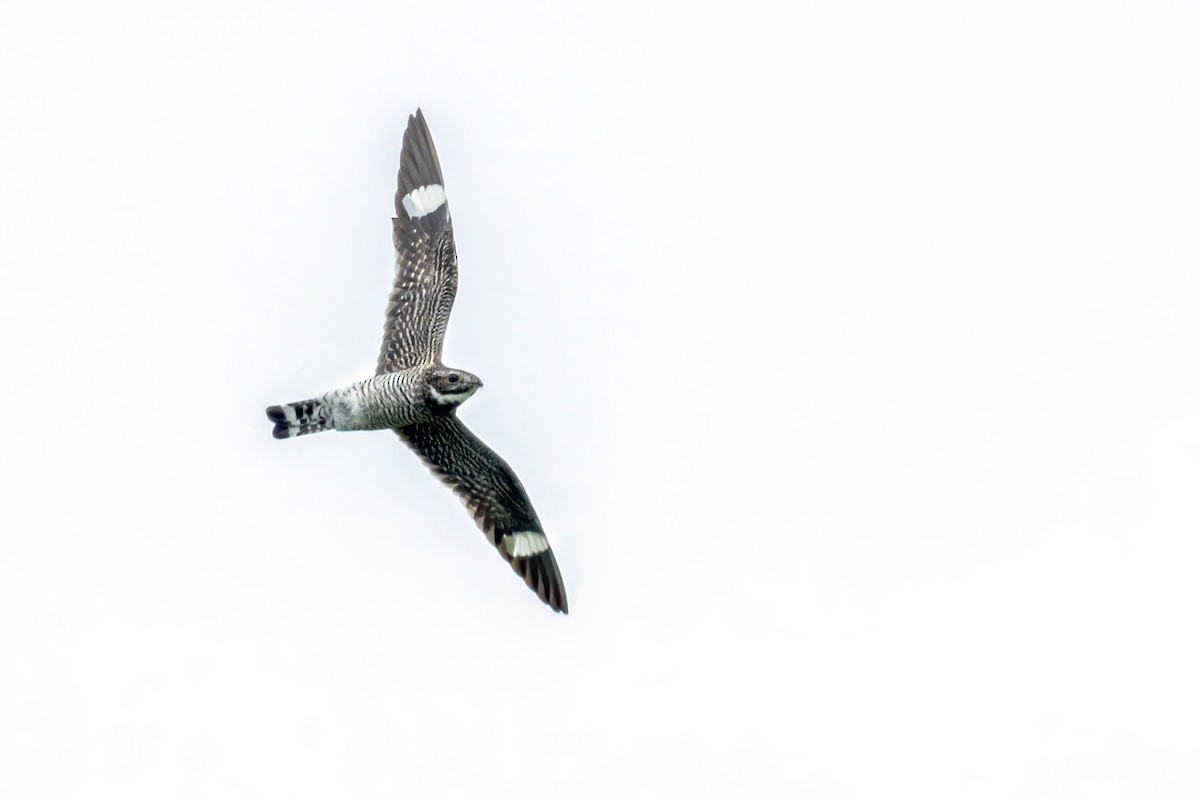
(426,264)
(495,498)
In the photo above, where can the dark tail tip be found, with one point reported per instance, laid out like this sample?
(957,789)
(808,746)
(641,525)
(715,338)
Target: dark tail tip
(276,415)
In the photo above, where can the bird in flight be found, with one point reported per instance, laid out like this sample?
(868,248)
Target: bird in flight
(416,395)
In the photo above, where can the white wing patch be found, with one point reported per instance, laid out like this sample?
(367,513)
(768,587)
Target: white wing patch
(523,544)
(424,200)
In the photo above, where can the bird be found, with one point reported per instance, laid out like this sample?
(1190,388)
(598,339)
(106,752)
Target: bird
(414,394)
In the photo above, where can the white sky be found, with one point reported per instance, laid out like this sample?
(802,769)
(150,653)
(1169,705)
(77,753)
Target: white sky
(849,353)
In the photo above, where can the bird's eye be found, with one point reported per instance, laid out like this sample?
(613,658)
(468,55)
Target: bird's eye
(453,379)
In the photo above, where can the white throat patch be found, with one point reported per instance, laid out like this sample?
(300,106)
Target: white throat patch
(424,200)
(522,544)
(449,399)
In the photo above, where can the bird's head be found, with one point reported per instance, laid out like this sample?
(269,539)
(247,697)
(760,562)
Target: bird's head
(449,387)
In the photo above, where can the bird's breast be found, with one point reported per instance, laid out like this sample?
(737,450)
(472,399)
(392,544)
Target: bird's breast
(390,400)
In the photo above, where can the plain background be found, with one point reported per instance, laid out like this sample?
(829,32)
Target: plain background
(848,352)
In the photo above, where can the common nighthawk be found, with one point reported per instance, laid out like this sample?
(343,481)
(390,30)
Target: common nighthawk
(413,393)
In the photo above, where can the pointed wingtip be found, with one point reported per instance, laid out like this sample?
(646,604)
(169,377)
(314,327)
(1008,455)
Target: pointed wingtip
(419,167)
(542,576)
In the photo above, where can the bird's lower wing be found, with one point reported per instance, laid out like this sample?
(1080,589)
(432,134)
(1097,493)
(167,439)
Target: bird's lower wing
(494,496)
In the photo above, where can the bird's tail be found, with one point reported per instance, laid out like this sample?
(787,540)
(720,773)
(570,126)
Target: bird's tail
(297,419)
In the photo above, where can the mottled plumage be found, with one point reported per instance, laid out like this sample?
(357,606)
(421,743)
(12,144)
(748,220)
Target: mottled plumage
(413,393)
(426,264)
